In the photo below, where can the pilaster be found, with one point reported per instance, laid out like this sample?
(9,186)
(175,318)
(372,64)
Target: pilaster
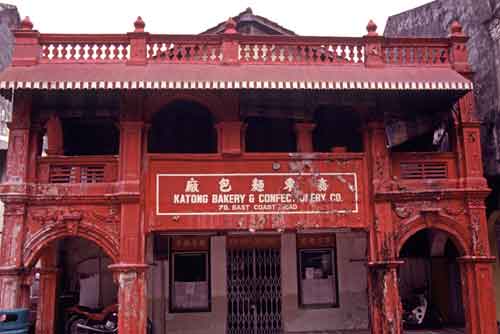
(46,308)
(304,133)
(384,299)
(477,287)
(132,301)
(230,137)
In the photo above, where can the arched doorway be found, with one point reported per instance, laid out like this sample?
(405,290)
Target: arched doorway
(430,282)
(72,284)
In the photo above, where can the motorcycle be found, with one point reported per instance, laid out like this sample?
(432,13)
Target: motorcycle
(414,310)
(83,320)
(419,313)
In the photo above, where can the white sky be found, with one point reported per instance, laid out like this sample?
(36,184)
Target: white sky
(305,17)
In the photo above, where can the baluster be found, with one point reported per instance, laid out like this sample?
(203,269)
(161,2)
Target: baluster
(444,55)
(195,57)
(333,53)
(91,52)
(253,53)
(398,56)
(57,51)
(179,50)
(435,57)
(300,57)
(107,52)
(100,52)
(308,53)
(410,56)
(72,51)
(179,54)
(64,51)
(125,51)
(285,54)
(264,53)
(81,52)
(45,51)
(350,54)
(205,53)
(359,54)
(241,51)
(316,53)
(301,54)
(425,55)
(116,52)
(188,54)
(343,55)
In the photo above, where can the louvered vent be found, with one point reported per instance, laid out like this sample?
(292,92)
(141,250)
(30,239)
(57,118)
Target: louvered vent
(76,174)
(423,170)
(92,174)
(62,174)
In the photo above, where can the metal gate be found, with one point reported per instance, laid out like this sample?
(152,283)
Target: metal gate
(254,291)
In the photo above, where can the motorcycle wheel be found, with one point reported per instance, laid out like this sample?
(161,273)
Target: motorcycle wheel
(71,325)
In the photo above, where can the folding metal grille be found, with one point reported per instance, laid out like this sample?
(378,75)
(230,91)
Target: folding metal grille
(254,291)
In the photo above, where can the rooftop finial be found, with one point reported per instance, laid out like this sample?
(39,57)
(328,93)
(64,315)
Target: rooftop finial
(372,28)
(456,29)
(230,26)
(26,24)
(248,11)
(139,25)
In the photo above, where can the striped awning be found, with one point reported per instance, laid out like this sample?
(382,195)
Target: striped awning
(224,77)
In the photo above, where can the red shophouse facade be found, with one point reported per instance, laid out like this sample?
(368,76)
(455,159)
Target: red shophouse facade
(144,194)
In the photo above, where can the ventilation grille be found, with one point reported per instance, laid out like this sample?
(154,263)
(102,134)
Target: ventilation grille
(424,170)
(76,174)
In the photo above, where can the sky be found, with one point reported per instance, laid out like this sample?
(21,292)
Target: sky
(305,17)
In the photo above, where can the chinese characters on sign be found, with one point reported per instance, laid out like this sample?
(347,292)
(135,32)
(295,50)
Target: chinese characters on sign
(286,193)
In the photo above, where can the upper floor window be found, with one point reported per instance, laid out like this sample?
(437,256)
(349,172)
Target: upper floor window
(183,127)
(90,136)
(270,135)
(337,130)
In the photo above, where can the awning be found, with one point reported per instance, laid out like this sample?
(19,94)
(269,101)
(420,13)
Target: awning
(239,77)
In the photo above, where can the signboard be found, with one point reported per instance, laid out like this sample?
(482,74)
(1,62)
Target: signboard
(256,193)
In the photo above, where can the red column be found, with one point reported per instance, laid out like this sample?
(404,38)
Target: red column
(478,296)
(304,133)
(54,136)
(11,266)
(132,312)
(46,310)
(385,304)
(130,272)
(386,311)
(230,137)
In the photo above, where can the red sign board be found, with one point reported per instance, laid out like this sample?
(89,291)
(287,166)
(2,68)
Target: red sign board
(256,193)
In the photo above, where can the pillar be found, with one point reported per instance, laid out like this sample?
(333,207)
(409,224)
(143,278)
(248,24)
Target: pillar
(11,266)
(54,136)
(47,303)
(383,290)
(478,299)
(304,133)
(130,272)
(230,137)
(385,305)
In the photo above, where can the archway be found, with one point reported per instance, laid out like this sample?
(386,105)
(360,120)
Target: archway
(71,277)
(430,281)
